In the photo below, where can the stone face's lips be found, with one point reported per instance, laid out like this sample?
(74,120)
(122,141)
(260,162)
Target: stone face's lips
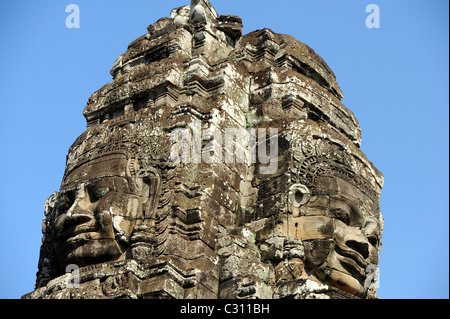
(75,233)
(84,229)
(77,241)
(352,261)
(350,253)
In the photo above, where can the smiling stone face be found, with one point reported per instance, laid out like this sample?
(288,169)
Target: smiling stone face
(341,243)
(98,207)
(333,209)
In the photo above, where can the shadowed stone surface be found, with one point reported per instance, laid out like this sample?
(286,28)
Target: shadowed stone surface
(143,223)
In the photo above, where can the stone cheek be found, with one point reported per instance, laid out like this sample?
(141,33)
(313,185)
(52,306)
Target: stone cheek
(141,225)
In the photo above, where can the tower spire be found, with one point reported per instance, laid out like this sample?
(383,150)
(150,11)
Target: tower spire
(202,11)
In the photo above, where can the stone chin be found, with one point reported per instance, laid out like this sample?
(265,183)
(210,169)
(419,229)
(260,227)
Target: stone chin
(343,281)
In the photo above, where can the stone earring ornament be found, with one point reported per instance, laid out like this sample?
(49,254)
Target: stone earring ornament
(298,195)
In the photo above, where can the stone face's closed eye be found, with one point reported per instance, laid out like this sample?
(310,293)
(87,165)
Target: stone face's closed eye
(65,202)
(98,193)
(341,214)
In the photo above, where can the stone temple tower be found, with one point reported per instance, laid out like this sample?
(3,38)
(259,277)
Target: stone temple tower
(214,165)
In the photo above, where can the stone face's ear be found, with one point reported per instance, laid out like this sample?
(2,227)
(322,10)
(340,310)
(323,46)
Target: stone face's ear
(297,197)
(151,190)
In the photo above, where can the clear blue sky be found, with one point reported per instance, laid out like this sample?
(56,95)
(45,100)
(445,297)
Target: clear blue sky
(395,79)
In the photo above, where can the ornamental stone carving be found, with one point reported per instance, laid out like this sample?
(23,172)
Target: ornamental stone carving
(140,218)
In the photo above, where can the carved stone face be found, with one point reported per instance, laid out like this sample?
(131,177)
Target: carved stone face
(98,207)
(341,239)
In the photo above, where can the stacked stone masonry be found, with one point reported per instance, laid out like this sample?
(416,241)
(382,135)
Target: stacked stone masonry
(140,225)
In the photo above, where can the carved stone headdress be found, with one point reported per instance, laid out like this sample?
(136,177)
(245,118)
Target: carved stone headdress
(139,142)
(323,154)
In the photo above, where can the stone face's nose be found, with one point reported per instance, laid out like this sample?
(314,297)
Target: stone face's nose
(64,224)
(77,217)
